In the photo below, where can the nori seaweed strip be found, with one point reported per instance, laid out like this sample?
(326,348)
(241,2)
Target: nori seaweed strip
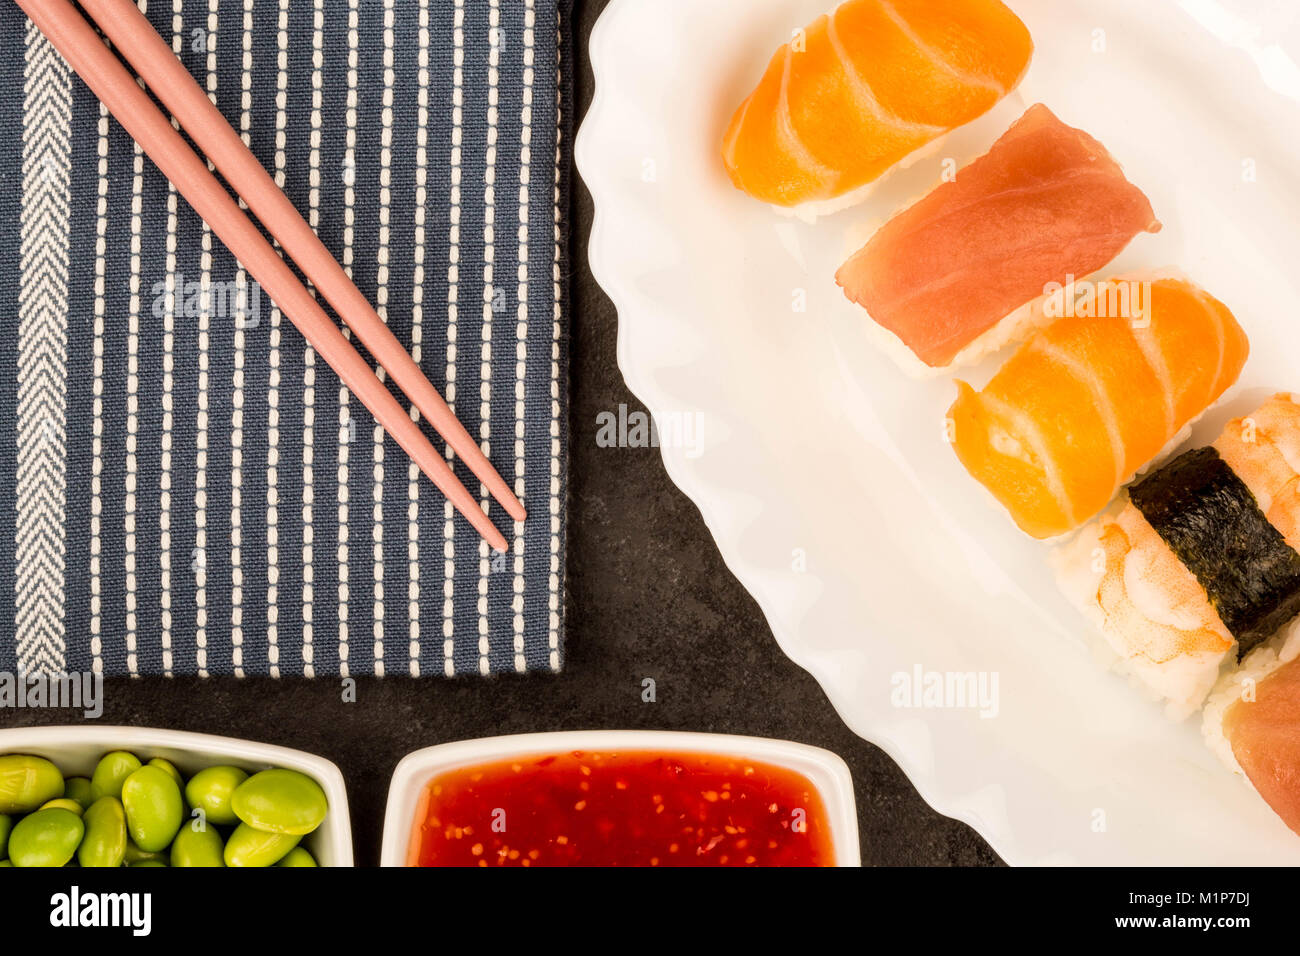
(1212,522)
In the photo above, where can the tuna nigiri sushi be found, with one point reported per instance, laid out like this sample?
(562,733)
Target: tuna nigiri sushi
(1252,722)
(1092,398)
(951,276)
(1198,560)
(857,91)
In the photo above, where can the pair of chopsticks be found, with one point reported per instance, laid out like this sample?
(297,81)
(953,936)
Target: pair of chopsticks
(137,41)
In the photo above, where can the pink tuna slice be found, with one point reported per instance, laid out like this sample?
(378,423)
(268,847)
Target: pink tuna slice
(1265,738)
(1045,203)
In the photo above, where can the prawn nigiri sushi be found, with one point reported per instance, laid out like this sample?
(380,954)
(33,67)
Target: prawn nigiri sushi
(960,274)
(1091,399)
(857,91)
(1198,560)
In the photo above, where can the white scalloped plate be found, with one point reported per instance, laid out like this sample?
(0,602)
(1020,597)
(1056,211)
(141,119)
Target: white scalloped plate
(822,471)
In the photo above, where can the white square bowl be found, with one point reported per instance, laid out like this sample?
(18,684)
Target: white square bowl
(76,750)
(827,772)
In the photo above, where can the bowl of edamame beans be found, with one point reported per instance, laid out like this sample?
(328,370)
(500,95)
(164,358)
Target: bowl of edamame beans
(137,796)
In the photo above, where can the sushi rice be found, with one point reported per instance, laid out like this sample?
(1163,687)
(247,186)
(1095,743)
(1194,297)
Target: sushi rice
(1006,332)
(811,212)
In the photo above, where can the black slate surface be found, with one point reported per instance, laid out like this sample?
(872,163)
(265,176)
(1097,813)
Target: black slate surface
(649,596)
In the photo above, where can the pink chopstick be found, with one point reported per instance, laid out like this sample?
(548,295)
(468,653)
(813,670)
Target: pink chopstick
(135,38)
(86,53)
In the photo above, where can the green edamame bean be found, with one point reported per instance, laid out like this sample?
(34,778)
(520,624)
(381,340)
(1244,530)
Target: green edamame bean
(153,808)
(170,768)
(134,854)
(111,772)
(250,847)
(72,806)
(201,847)
(280,801)
(45,838)
(6,824)
(298,856)
(104,843)
(78,788)
(210,790)
(26,782)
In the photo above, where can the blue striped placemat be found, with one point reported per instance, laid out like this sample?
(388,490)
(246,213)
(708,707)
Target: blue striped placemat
(187,487)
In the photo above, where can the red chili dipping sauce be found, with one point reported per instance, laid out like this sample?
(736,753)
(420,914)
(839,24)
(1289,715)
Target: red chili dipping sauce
(621,809)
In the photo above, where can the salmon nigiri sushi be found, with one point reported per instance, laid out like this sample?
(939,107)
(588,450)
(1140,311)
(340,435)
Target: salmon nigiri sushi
(1197,560)
(1091,399)
(857,91)
(964,271)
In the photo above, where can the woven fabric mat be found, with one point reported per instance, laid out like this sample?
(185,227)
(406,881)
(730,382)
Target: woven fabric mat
(186,486)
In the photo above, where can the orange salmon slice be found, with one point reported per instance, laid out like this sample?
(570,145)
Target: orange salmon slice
(1086,402)
(855,92)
